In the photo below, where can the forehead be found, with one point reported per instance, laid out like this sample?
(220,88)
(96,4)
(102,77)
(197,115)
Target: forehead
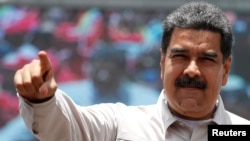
(196,39)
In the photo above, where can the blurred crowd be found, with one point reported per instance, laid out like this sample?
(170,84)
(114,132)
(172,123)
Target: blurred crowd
(73,36)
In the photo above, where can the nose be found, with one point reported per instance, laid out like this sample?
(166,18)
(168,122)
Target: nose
(192,69)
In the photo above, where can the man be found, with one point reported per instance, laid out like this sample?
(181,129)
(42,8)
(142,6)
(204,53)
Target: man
(195,63)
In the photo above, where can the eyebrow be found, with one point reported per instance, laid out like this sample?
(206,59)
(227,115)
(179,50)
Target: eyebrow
(210,54)
(178,50)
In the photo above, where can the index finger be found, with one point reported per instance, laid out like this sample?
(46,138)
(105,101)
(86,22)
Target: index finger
(44,62)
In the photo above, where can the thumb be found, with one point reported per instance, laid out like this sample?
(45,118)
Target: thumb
(48,88)
(43,90)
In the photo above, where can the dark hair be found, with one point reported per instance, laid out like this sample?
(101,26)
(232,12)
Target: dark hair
(199,15)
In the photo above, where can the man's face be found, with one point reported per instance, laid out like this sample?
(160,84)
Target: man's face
(193,72)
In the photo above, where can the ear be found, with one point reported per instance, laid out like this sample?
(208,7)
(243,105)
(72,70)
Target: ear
(162,64)
(226,67)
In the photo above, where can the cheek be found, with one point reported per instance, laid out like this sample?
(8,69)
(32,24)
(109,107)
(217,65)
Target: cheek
(169,74)
(214,81)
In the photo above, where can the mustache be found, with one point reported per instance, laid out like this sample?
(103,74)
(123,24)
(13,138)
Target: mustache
(187,81)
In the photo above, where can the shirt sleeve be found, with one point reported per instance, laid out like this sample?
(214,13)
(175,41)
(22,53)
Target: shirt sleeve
(60,119)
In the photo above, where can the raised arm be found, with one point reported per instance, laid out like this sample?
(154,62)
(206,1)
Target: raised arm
(35,81)
(56,118)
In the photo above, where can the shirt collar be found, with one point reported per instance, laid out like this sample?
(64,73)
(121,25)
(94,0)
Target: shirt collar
(220,115)
(165,114)
(168,118)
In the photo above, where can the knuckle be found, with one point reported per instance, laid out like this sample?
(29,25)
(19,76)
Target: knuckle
(27,83)
(19,86)
(35,77)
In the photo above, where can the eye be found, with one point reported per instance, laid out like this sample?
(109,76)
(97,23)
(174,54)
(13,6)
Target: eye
(208,59)
(179,56)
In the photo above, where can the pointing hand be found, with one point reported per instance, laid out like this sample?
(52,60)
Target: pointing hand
(35,81)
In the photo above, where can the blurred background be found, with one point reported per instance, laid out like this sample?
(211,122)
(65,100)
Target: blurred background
(103,51)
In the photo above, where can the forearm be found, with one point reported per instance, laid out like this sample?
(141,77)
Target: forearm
(53,119)
(60,119)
